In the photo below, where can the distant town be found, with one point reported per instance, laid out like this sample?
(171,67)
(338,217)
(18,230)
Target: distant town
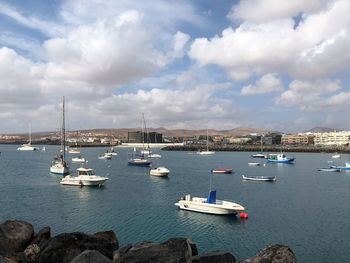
(317,137)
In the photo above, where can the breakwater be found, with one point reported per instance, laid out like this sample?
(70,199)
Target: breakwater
(19,243)
(256,148)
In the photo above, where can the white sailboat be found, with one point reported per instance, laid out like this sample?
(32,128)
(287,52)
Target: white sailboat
(28,146)
(138,159)
(207,152)
(59,164)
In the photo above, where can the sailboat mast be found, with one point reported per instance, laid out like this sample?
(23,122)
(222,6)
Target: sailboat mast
(207,141)
(261,143)
(30,134)
(142,131)
(63,136)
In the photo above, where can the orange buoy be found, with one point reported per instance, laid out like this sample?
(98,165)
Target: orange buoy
(243,215)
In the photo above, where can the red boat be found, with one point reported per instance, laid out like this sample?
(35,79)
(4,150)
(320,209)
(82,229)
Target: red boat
(222,171)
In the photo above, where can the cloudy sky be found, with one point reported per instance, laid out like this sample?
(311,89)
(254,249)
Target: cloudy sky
(272,64)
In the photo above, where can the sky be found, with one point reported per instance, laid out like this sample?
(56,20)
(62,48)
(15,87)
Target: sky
(267,64)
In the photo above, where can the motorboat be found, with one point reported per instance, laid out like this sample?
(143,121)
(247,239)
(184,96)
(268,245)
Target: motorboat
(146,151)
(222,171)
(160,171)
(154,155)
(259,178)
(280,158)
(336,156)
(258,155)
(253,164)
(105,156)
(85,177)
(209,205)
(342,168)
(78,159)
(73,150)
(329,169)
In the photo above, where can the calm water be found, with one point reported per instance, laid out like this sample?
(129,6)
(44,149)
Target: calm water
(305,209)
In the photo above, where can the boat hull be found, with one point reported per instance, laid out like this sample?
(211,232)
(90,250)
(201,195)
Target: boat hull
(139,163)
(260,178)
(205,153)
(207,208)
(281,161)
(222,171)
(83,182)
(59,170)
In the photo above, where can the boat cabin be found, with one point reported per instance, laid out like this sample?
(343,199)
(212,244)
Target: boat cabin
(86,172)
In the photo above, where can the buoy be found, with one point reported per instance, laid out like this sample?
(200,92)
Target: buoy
(243,215)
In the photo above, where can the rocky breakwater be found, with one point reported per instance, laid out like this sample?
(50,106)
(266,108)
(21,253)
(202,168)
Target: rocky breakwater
(19,243)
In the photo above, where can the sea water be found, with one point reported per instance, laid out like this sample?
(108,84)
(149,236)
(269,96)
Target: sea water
(305,209)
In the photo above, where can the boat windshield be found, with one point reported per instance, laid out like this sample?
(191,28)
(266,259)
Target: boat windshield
(88,172)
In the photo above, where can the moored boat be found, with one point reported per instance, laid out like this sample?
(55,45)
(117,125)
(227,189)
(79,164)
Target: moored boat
(78,159)
(85,177)
(222,171)
(209,205)
(141,161)
(329,169)
(253,164)
(258,155)
(280,158)
(159,171)
(336,156)
(259,178)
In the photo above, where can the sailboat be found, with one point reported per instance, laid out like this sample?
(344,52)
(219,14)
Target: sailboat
(28,146)
(138,159)
(59,165)
(207,152)
(259,155)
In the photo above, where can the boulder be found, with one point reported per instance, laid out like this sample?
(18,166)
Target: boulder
(64,247)
(273,254)
(174,250)
(91,256)
(42,236)
(32,252)
(214,257)
(15,236)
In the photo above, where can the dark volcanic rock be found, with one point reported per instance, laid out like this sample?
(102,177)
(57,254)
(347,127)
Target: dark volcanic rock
(91,256)
(14,236)
(214,257)
(42,237)
(273,254)
(64,247)
(174,250)
(32,252)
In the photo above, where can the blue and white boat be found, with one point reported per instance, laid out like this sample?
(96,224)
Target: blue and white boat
(280,158)
(342,168)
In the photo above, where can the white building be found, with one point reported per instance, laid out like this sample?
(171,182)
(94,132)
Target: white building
(332,138)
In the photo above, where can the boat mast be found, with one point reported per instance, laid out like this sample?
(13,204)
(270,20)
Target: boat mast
(261,143)
(63,134)
(143,132)
(207,140)
(30,134)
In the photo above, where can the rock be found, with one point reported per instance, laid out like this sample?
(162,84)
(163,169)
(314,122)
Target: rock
(42,236)
(15,236)
(214,257)
(32,252)
(174,250)
(273,254)
(64,247)
(91,256)
(108,235)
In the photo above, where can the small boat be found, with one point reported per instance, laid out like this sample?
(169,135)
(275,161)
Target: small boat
(209,205)
(43,149)
(105,156)
(329,169)
(258,155)
(28,146)
(336,156)
(207,152)
(85,177)
(159,171)
(73,150)
(259,178)
(222,171)
(139,161)
(279,158)
(78,159)
(342,168)
(154,155)
(253,164)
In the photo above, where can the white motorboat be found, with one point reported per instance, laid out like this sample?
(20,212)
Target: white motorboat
(28,146)
(259,178)
(59,164)
(336,156)
(73,150)
(253,164)
(105,156)
(209,205)
(78,159)
(160,171)
(85,177)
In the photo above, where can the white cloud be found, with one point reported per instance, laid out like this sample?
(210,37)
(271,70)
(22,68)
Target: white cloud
(266,84)
(321,95)
(276,46)
(264,10)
